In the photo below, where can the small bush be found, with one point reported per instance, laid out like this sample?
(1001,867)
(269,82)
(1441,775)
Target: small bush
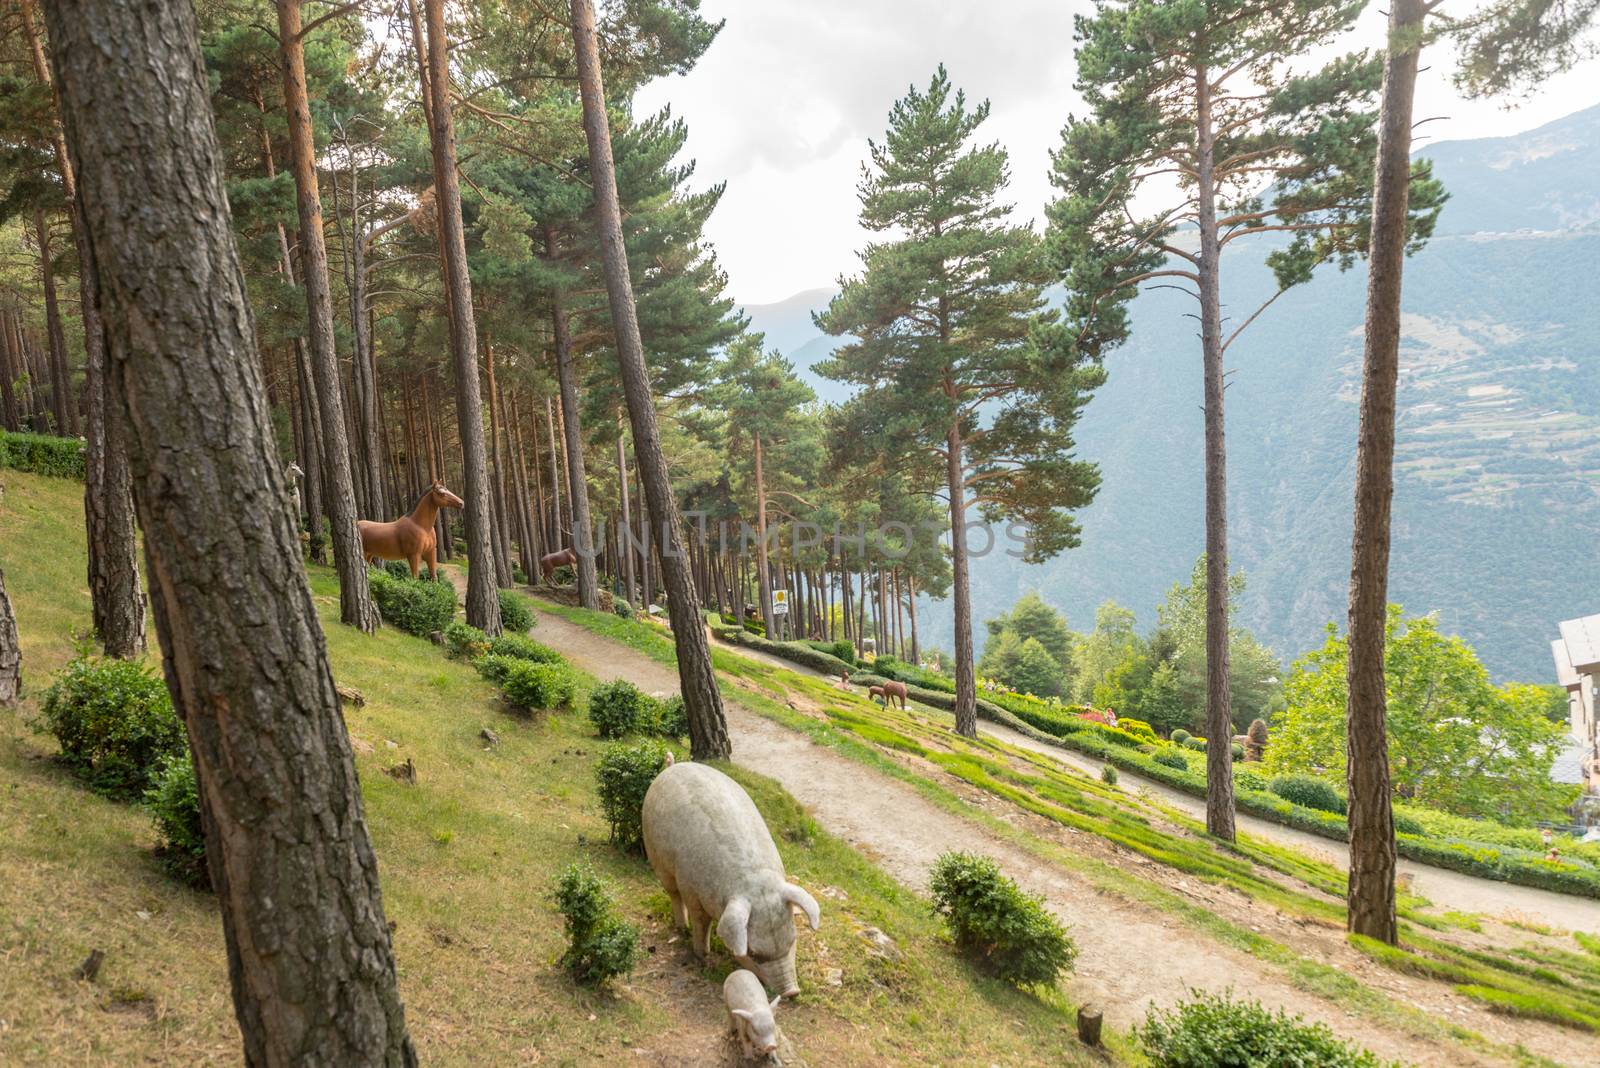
(399,569)
(1214,1031)
(1404,824)
(1196,744)
(464,641)
(522,647)
(617,708)
(1256,748)
(1171,758)
(416,606)
(495,667)
(531,686)
(515,615)
(1108,775)
(42,454)
(1238,751)
(599,945)
(622,608)
(173,801)
(115,722)
(844,650)
(1245,779)
(1179,736)
(622,776)
(564,575)
(1312,793)
(992,918)
(1136,727)
(671,718)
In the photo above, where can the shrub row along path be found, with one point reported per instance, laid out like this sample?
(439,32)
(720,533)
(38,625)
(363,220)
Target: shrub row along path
(1130,958)
(1445,888)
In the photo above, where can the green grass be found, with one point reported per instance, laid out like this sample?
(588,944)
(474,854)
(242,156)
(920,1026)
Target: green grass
(870,734)
(468,858)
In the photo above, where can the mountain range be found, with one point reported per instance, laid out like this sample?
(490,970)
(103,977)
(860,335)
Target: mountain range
(1497,503)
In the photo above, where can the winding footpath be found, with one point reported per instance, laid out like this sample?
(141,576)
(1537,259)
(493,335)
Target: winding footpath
(1130,958)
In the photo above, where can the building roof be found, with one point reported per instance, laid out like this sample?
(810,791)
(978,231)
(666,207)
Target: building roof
(1582,639)
(1568,766)
(1566,674)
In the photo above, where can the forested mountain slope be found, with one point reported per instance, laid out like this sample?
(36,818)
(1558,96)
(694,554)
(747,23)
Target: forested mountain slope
(1498,493)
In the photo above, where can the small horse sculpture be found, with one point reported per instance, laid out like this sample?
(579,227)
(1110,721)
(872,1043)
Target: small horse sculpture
(888,692)
(550,561)
(409,538)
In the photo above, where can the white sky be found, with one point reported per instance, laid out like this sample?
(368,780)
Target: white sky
(782,105)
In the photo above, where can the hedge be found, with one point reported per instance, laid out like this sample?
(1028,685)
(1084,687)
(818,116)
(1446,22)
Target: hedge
(1037,720)
(41,454)
(795,652)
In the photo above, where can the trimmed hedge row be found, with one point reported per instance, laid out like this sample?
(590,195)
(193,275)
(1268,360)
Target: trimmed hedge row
(1503,863)
(42,454)
(796,652)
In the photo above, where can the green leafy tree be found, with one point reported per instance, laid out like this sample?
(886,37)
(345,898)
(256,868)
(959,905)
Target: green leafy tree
(1456,742)
(946,323)
(1030,617)
(1113,643)
(1252,668)
(1218,97)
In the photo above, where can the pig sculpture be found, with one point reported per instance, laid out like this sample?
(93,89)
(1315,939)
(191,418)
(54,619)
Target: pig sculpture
(751,1015)
(715,858)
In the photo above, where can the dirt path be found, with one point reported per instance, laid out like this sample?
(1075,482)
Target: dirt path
(1129,957)
(1446,889)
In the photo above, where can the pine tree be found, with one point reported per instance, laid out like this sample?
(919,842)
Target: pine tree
(1213,95)
(949,343)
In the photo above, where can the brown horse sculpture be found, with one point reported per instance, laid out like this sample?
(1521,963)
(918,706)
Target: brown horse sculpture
(550,561)
(889,692)
(409,538)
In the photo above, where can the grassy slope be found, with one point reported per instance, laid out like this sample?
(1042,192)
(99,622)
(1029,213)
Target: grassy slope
(873,734)
(468,856)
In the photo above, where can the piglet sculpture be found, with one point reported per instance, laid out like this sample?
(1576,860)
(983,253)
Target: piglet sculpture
(751,1015)
(715,858)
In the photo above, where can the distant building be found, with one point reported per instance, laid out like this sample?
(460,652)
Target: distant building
(1577,656)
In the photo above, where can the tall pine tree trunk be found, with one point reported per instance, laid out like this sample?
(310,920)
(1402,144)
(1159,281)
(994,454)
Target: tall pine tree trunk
(1372,848)
(10,650)
(1219,721)
(966,708)
(309,952)
(625,527)
(483,603)
(708,730)
(763,564)
(62,405)
(356,606)
(577,479)
(117,601)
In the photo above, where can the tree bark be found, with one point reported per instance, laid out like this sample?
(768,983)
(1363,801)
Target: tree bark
(708,729)
(966,707)
(10,650)
(356,606)
(763,564)
(577,479)
(483,602)
(363,374)
(625,528)
(1372,847)
(1219,719)
(309,952)
(497,476)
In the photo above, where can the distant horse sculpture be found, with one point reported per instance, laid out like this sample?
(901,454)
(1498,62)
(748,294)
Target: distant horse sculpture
(550,561)
(410,538)
(889,692)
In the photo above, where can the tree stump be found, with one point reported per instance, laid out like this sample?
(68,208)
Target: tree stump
(1089,1020)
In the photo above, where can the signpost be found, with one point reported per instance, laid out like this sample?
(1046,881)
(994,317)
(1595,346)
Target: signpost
(780,609)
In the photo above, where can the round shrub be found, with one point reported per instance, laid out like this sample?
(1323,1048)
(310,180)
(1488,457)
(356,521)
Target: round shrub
(599,945)
(1136,727)
(1245,779)
(515,615)
(465,642)
(522,647)
(399,569)
(844,650)
(1171,758)
(173,801)
(990,917)
(621,777)
(1196,744)
(416,606)
(495,667)
(1309,792)
(1179,736)
(115,722)
(1108,775)
(1214,1031)
(1404,824)
(672,717)
(564,575)
(622,608)
(616,708)
(1238,751)
(531,686)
